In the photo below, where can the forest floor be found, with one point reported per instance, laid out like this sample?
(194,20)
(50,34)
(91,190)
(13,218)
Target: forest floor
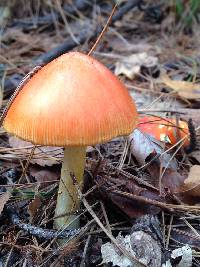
(140,201)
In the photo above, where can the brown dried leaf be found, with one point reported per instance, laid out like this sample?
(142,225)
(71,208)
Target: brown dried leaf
(192,183)
(42,174)
(119,45)
(144,145)
(23,43)
(33,207)
(18,143)
(144,148)
(131,207)
(43,156)
(171,179)
(130,66)
(185,89)
(196,155)
(4,197)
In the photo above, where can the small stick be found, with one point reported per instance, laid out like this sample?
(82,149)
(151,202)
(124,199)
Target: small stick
(38,231)
(66,23)
(106,217)
(165,206)
(144,200)
(103,31)
(147,111)
(169,232)
(27,163)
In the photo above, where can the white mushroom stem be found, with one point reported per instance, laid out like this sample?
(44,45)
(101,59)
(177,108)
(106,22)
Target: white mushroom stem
(67,200)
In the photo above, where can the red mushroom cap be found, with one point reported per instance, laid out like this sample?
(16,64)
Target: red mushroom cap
(74,100)
(165,130)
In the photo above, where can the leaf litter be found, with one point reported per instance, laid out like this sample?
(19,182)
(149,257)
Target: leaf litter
(133,177)
(131,65)
(4,197)
(185,89)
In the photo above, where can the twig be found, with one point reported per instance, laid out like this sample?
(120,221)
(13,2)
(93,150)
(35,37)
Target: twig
(169,232)
(11,250)
(63,246)
(166,206)
(137,179)
(37,248)
(142,199)
(195,232)
(125,8)
(90,190)
(124,154)
(66,22)
(103,31)
(37,231)
(163,228)
(145,111)
(27,164)
(105,216)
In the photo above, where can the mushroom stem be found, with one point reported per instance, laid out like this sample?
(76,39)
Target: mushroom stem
(67,200)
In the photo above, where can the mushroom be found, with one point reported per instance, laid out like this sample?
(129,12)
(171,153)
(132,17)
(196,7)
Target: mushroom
(165,130)
(73,101)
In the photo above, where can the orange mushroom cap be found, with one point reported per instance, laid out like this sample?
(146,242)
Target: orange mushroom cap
(73,100)
(165,130)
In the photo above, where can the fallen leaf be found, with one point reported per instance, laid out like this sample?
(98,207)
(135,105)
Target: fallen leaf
(4,197)
(119,45)
(143,145)
(43,155)
(171,179)
(139,244)
(42,174)
(131,207)
(130,66)
(191,185)
(145,148)
(111,254)
(147,249)
(23,42)
(185,253)
(33,207)
(196,155)
(184,89)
